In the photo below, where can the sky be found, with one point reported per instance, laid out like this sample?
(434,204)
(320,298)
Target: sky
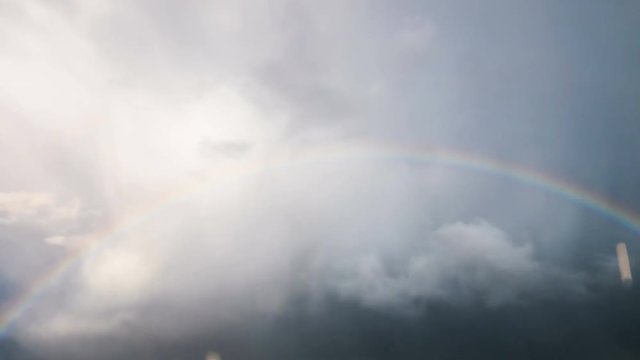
(281,179)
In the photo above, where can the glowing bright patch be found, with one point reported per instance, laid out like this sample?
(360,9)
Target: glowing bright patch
(623,263)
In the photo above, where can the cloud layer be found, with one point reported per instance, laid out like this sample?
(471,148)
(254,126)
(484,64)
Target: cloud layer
(182,139)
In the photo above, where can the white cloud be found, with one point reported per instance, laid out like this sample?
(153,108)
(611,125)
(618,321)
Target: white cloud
(37,208)
(457,263)
(118,276)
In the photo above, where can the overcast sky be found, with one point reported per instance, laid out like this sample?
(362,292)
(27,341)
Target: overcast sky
(191,159)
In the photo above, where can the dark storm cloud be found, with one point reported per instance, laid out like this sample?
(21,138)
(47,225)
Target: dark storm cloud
(330,259)
(592,329)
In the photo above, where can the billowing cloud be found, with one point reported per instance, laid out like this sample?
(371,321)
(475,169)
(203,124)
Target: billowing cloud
(457,263)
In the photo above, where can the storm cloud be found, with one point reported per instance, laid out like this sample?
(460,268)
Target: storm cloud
(192,160)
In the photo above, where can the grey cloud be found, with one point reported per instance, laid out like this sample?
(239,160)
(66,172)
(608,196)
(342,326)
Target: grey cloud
(458,263)
(123,105)
(30,223)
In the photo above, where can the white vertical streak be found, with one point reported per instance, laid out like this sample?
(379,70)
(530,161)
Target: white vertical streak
(623,263)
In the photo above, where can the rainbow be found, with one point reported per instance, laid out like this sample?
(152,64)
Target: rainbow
(15,309)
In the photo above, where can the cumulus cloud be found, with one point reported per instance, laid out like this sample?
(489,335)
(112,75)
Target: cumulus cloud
(458,263)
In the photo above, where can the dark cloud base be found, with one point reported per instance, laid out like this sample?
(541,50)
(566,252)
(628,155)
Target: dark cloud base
(605,326)
(10,349)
